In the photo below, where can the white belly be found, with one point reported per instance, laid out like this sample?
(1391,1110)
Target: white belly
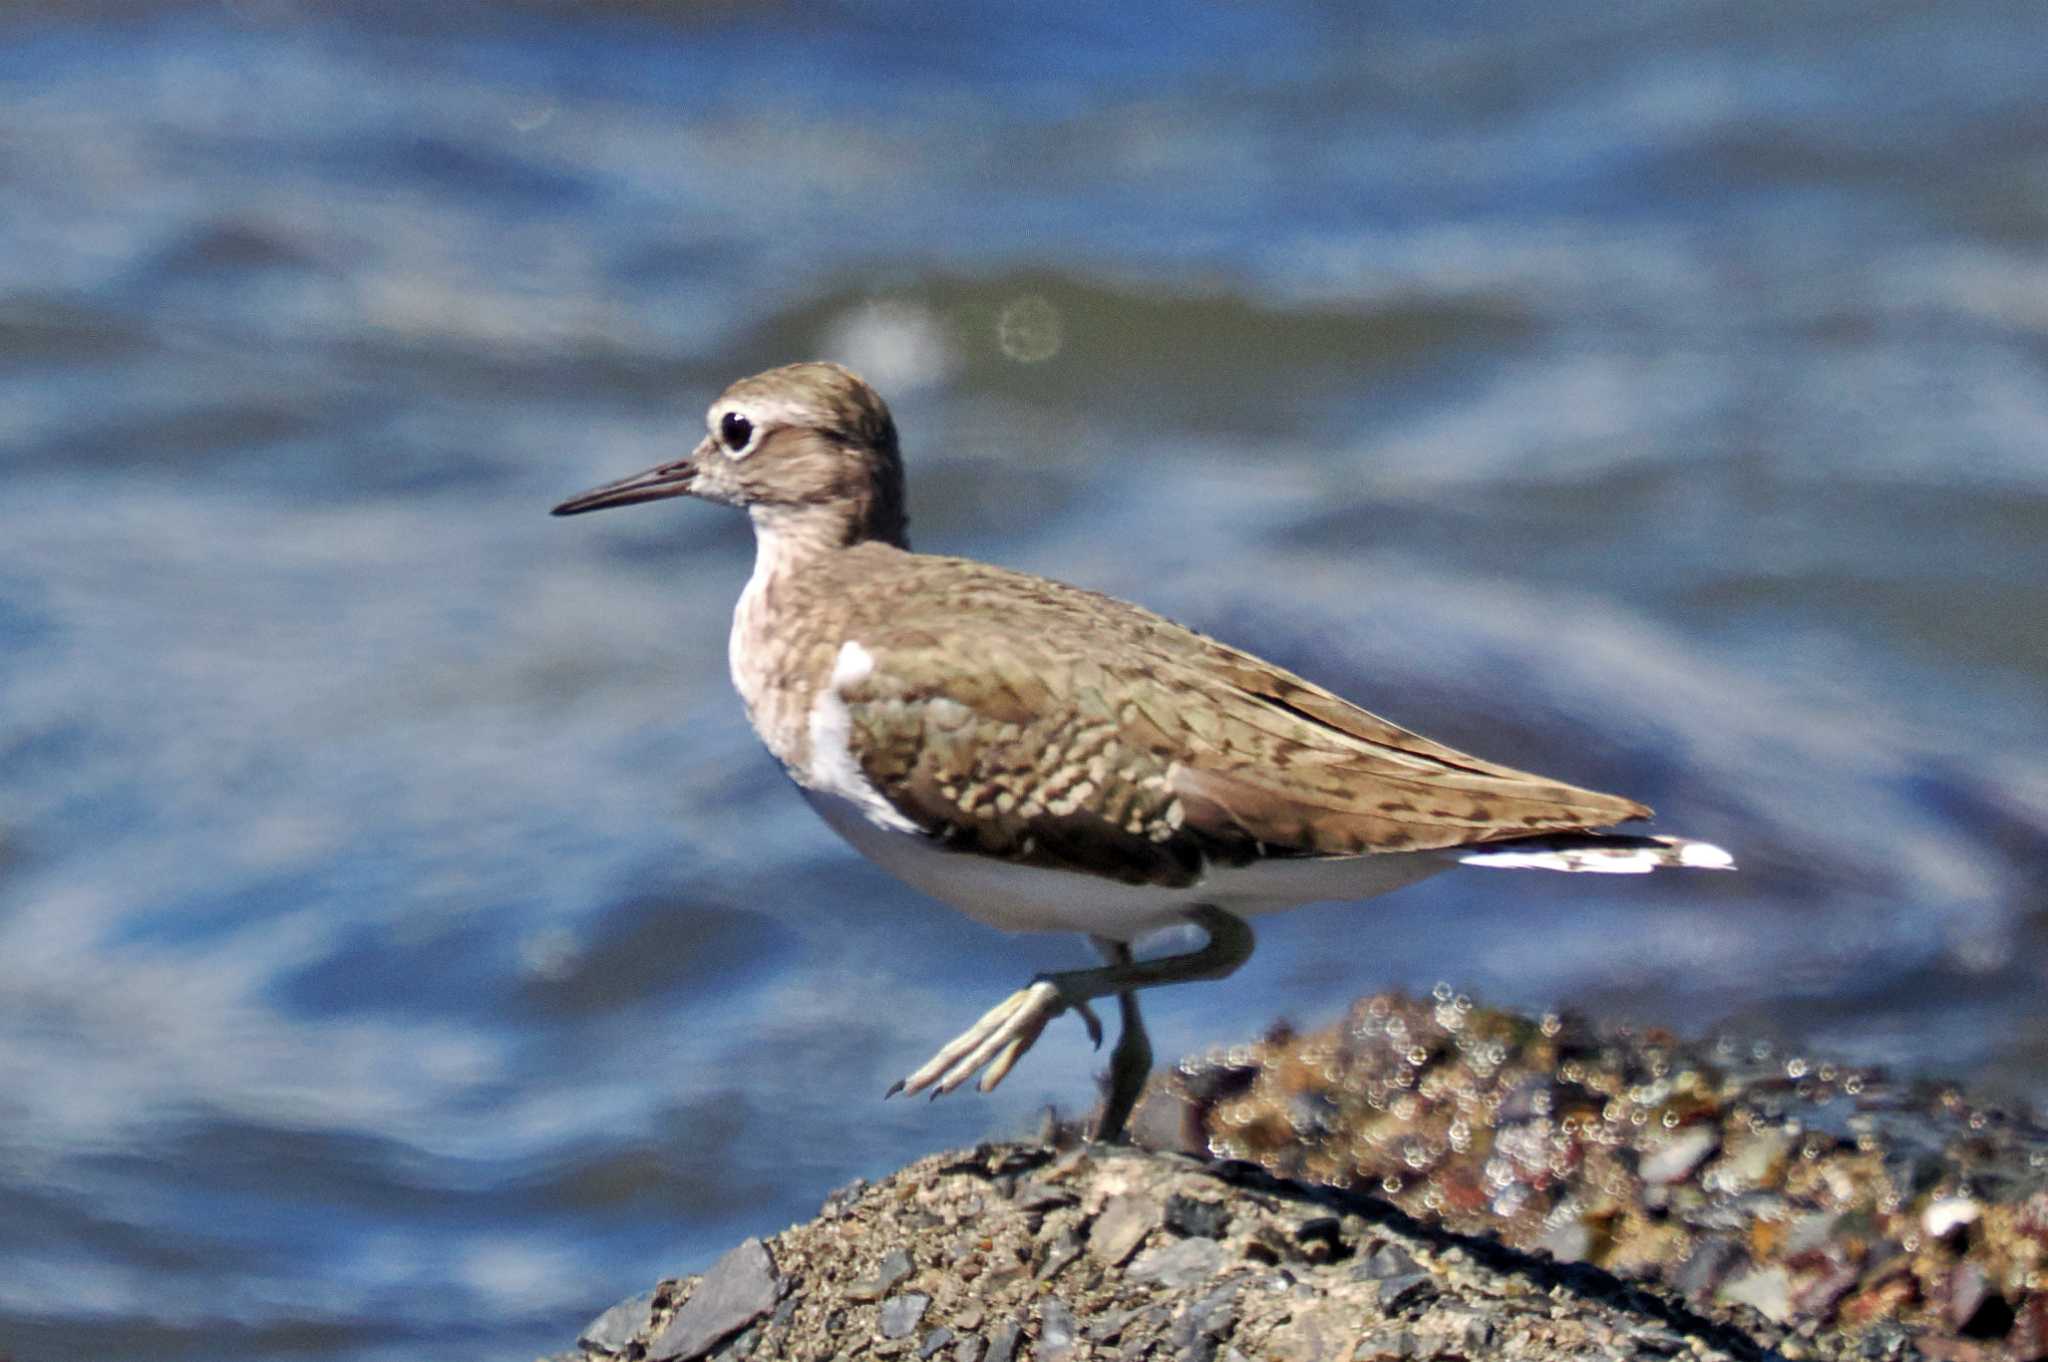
(1023,898)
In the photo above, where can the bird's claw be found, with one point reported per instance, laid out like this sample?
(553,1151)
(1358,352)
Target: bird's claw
(1093,1022)
(993,1045)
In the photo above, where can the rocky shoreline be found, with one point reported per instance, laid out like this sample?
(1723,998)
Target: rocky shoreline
(1427,1179)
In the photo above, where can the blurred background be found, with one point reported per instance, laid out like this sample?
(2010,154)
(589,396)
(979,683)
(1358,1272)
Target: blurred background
(405,949)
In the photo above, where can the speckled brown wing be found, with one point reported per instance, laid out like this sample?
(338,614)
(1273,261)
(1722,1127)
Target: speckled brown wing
(995,745)
(1066,728)
(1292,765)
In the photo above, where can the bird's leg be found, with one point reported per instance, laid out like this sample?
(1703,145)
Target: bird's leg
(1131,1062)
(1001,1037)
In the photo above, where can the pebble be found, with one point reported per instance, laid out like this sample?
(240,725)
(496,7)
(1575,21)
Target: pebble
(1754,1161)
(1125,1221)
(1109,1324)
(1058,1331)
(1208,1318)
(1166,1120)
(839,1198)
(1059,1256)
(1570,1242)
(1701,1273)
(1319,1333)
(1408,1291)
(894,1266)
(1679,1155)
(1320,1236)
(1181,1263)
(1944,1217)
(737,1290)
(611,1331)
(1002,1343)
(1038,1196)
(1766,1290)
(1185,1215)
(900,1315)
(1388,1260)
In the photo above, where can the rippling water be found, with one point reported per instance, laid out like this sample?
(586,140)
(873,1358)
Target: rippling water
(405,949)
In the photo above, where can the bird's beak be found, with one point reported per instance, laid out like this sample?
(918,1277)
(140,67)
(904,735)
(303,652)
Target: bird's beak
(655,484)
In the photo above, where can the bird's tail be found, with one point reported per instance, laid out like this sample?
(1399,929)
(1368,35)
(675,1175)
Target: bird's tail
(1600,853)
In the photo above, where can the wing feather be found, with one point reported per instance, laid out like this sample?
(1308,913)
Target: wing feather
(1080,731)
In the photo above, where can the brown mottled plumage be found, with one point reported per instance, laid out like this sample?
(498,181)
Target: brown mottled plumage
(1088,734)
(1047,757)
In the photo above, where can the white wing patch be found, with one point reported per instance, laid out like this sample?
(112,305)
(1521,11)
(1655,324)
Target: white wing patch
(832,768)
(1585,854)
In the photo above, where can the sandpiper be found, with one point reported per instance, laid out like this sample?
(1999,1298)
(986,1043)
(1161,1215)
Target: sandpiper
(1045,758)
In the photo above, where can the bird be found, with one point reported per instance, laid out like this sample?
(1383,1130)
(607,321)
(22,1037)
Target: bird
(1047,758)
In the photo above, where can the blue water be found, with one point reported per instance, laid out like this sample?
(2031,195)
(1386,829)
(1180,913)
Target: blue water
(405,950)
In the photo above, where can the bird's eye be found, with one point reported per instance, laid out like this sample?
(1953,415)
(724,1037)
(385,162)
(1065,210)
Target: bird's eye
(735,430)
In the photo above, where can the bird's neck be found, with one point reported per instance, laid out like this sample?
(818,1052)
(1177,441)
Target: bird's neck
(786,619)
(791,535)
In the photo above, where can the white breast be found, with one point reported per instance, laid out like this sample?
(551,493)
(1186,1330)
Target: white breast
(745,666)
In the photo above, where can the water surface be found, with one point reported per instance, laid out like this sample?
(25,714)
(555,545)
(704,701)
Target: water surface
(404,947)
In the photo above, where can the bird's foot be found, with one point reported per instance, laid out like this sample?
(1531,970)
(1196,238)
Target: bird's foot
(997,1041)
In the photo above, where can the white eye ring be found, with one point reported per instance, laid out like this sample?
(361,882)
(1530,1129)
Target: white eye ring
(737,433)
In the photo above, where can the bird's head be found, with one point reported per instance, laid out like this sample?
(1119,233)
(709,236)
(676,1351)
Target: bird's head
(807,445)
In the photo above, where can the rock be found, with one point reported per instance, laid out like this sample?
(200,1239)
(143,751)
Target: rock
(1388,1260)
(1110,1325)
(1766,1290)
(1974,1308)
(1950,1215)
(1208,1319)
(1125,1221)
(900,1315)
(1196,1219)
(1320,1237)
(1181,1263)
(1816,1295)
(839,1198)
(1568,1242)
(1679,1155)
(1847,1219)
(1059,1256)
(1002,1343)
(1322,1333)
(1703,1271)
(1038,1196)
(1756,1161)
(1167,1120)
(894,1266)
(611,1331)
(1058,1331)
(739,1289)
(1409,1291)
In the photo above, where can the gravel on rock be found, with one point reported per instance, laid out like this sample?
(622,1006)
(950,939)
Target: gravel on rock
(1291,1274)
(1426,1180)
